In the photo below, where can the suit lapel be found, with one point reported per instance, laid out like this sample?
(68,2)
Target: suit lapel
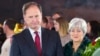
(30,42)
(45,37)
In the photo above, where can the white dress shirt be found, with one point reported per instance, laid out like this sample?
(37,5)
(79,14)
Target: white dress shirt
(5,49)
(33,34)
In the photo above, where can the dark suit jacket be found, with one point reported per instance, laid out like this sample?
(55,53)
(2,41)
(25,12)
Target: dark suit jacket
(23,44)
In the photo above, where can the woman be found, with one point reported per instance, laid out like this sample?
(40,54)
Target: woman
(93,30)
(61,26)
(77,30)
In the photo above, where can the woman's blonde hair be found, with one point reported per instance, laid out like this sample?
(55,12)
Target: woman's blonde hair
(63,26)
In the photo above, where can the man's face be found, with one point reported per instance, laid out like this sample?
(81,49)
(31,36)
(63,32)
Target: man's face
(88,28)
(33,17)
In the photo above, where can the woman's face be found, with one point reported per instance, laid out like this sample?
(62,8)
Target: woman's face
(76,34)
(88,28)
(56,25)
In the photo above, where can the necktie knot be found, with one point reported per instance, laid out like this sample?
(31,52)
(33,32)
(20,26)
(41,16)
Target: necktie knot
(36,32)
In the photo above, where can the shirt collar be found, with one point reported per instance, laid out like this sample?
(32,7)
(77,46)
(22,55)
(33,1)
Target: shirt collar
(32,31)
(10,36)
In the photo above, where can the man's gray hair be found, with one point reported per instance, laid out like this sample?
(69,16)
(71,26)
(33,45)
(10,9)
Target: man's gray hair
(78,22)
(29,4)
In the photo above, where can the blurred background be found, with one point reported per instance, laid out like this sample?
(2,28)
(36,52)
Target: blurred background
(88,9)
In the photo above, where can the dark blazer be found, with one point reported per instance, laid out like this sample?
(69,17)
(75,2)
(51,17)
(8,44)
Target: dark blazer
(23,44)
(69,51)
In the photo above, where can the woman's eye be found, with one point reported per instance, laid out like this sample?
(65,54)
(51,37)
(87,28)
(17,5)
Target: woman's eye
(78,30)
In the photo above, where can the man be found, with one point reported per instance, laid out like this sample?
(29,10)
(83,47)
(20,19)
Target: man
(8,28)
(35,41)
(45,22)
